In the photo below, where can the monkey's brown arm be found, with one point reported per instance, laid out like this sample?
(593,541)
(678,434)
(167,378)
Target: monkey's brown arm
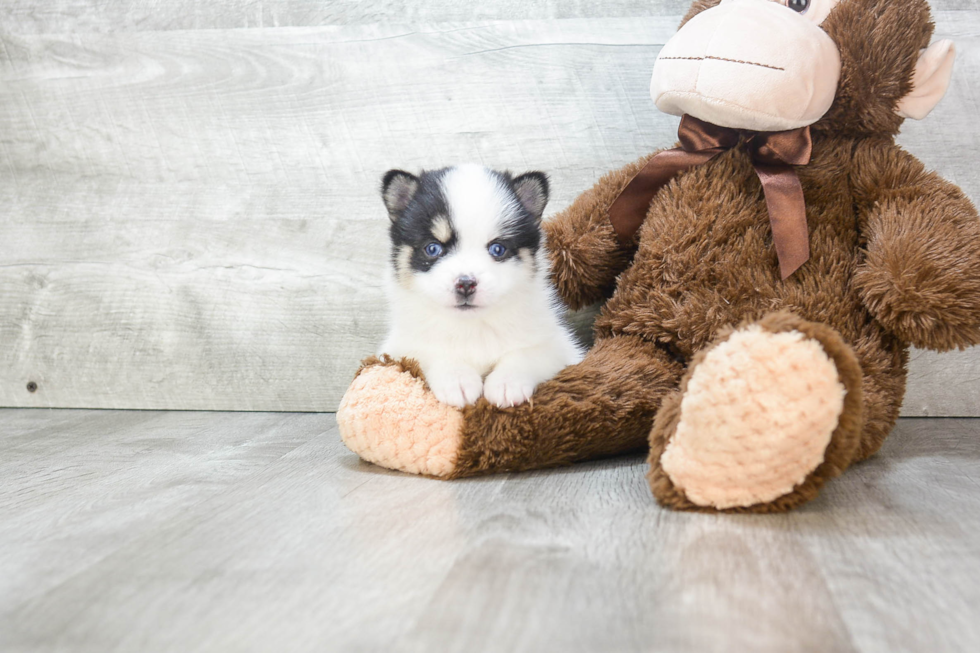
(586,255)
(921,275)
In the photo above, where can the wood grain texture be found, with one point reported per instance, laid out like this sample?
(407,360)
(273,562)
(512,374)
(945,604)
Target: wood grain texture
(62,16)
(173,531)
(74,16)
(191,217)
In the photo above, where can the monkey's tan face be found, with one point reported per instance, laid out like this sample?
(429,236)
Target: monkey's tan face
(762,65)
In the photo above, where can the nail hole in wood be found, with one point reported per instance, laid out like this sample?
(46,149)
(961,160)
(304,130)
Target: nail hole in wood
(31,386)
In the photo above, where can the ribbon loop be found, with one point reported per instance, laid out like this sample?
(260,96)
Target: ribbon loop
(697,135)
(773,155)
(782,148)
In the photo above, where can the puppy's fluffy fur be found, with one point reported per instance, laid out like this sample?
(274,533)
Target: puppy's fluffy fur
(469,291)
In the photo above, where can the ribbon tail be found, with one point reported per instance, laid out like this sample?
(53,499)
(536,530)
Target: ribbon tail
(629,210)
(787,215)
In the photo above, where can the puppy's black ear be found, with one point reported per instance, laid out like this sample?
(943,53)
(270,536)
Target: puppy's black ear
(397,190)
(532,192)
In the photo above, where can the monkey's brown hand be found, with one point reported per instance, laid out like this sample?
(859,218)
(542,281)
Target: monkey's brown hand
(921,276)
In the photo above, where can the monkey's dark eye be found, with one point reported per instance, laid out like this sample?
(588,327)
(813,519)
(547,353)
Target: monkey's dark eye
(799,6)
(497,250)
(433,250)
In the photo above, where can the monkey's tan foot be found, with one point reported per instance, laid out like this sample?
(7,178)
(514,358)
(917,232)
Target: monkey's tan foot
(390,418)
(762,418)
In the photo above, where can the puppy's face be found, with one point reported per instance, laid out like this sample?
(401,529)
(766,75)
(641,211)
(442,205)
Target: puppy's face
(464,237)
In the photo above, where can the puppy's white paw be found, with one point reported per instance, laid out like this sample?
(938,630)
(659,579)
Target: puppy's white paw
(505,390)
(456,388)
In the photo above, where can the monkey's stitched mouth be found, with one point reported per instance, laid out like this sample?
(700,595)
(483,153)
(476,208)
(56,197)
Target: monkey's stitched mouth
(747,63)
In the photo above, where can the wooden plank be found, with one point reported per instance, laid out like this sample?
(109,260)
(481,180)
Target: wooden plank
(941,385)
(255,532)
(75,16)
(108,475)
(897,532)
(191,217)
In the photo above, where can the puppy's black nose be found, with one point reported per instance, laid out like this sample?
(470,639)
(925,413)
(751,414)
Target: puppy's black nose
(465,286)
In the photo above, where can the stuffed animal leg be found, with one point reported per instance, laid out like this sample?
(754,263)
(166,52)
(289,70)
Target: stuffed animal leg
(762,418)
(599,407)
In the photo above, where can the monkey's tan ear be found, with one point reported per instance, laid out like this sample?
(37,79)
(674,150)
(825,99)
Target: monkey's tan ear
(932,73)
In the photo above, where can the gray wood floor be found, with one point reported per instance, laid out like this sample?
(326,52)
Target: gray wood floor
(177,531)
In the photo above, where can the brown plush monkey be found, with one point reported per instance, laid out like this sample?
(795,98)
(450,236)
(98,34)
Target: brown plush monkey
(756,328)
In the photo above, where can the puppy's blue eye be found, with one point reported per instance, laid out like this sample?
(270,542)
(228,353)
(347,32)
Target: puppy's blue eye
(497,250)
(433,250)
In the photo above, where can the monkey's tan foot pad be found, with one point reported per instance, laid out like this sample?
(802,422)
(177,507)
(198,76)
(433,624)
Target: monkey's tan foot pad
(390,418)
(755,418)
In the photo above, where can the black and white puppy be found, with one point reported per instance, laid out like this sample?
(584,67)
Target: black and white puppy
(468,285)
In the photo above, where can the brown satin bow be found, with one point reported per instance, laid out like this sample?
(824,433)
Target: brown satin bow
(773,155)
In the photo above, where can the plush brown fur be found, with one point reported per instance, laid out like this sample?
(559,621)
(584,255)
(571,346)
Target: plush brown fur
(600,407)
(895,260)
(586,255)
(879,42)
(407,365)
(923,251)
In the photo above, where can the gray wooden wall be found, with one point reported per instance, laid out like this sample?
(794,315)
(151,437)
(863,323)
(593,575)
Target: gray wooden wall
(189,211)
